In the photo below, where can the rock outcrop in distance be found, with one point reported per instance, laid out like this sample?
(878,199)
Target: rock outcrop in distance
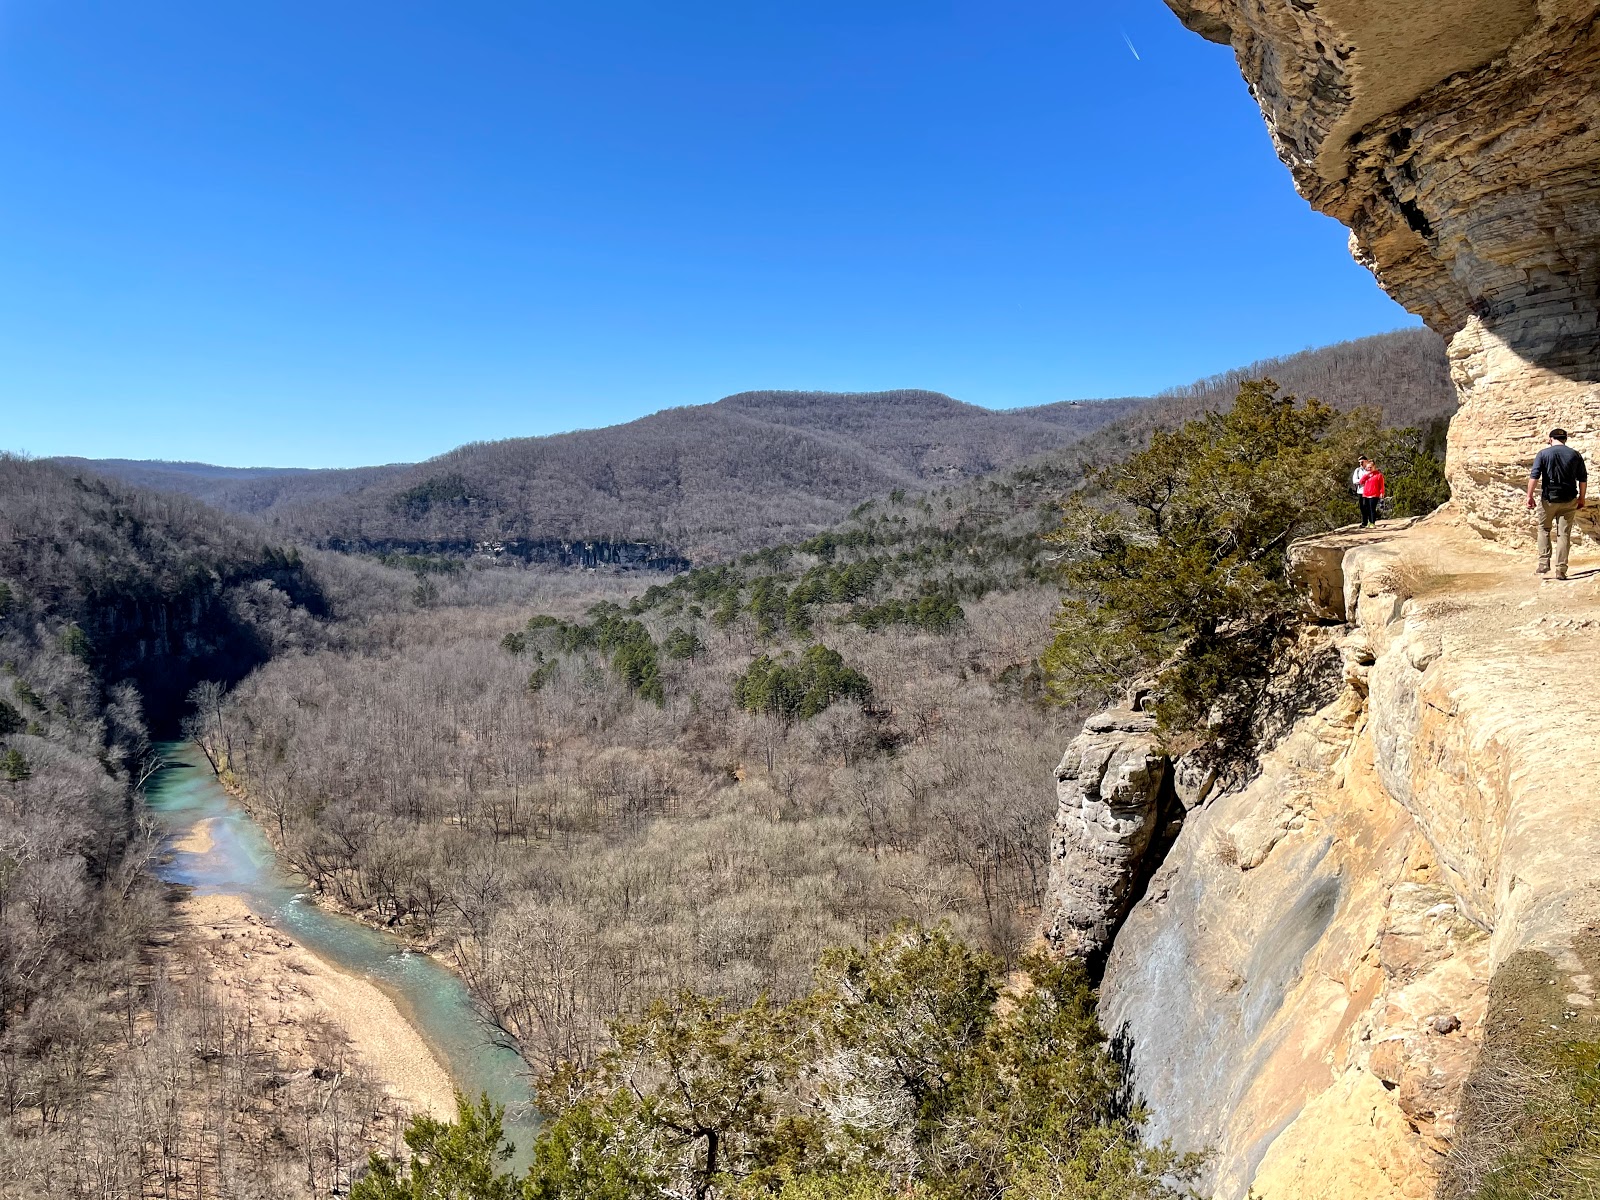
(1460,142)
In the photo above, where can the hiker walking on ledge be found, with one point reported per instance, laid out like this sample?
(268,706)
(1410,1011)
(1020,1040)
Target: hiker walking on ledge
(1370,484)
(1564,485)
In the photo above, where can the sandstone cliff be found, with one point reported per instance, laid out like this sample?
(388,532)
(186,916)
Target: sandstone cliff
(1305,979)
(1351,977)
(1460,142)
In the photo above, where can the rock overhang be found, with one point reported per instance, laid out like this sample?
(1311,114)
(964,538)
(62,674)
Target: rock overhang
(1460,143)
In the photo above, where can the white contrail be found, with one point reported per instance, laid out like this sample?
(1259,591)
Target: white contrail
(1129,40)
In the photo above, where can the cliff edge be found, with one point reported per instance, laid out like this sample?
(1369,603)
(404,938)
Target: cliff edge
(1371,972)
(1332,976)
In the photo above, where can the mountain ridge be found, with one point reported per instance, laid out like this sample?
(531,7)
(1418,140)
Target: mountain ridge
(751,469)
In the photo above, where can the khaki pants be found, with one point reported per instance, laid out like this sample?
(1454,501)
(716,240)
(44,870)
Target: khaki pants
(1556,517)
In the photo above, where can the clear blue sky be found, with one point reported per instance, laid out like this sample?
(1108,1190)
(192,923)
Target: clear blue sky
(352,232)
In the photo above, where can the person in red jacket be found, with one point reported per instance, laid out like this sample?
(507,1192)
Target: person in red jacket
(1371,485)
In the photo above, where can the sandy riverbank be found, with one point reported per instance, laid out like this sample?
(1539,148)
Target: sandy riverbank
(303,999)
(198,840)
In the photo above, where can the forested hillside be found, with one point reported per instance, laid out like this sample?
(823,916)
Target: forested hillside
(123,1072)
(247,490)
(753,469)
(151,590)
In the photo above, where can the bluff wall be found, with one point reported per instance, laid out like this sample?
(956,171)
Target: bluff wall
(1342,977)
(1306,981)
(1459,140)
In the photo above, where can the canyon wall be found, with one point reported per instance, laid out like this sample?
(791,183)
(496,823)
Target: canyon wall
(1460,142)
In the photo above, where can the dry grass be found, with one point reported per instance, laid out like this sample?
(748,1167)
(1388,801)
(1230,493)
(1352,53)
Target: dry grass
(1225,849)
(1416,575)
(1530,1115)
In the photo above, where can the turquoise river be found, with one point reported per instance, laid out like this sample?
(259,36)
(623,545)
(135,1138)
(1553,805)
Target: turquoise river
(241,862)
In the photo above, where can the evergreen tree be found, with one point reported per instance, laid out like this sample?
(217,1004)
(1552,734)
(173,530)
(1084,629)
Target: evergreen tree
(683,644)
(10,719)
(14,767)
(1182,570)
(799,688)
(450,1160)
(75,642)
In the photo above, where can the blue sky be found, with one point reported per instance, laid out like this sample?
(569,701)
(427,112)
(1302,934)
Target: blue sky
(329,234)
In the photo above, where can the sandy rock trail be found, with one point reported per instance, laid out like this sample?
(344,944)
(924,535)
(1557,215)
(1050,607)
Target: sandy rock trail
(299,997)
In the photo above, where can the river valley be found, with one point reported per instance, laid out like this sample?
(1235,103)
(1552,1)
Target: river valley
(401,1009)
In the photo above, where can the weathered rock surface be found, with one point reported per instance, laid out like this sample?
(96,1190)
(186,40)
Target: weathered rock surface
(1316,566)
(1460,142)
(1305,980)
(1114,789)
(1304,984)
(1275,983)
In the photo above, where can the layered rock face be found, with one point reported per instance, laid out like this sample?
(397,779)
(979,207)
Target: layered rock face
(1113,790)
(1460,142)
(1304,978)
(1337,978)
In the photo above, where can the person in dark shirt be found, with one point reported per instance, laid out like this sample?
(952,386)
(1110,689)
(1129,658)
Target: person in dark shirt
(1564,487)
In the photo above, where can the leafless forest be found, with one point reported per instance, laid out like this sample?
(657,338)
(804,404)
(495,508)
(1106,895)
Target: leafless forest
(579,850)
(584,789)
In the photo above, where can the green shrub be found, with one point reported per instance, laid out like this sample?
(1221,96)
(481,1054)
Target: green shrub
(450,1160)
(901,1075)
(1182,571)
(936,613)
(799,688)
(14,766)
(623,640)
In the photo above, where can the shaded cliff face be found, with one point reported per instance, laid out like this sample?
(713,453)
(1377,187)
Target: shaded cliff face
(156,591)
(208,626)
(1113,792)
(1460,142)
